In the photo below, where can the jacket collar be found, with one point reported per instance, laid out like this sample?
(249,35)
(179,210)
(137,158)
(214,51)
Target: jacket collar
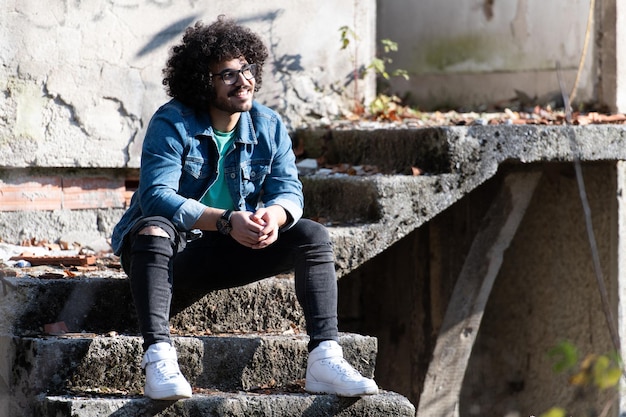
(245,128)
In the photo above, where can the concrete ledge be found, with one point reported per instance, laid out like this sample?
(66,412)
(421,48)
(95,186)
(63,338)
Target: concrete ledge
(226,404)
(394,148)
(456,159)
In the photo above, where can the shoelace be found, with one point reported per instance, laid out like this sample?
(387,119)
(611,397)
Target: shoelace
(166,369)
(343,367)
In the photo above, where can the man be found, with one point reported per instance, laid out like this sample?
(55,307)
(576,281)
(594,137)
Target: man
(215,160)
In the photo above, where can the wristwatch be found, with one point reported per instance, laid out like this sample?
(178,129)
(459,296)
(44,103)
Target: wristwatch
(223,223)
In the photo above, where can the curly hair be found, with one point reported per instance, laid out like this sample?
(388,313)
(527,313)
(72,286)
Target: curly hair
(187,75)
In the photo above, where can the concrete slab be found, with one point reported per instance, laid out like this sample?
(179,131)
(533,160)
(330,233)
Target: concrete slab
(230,404)
(455,160)
(471,150)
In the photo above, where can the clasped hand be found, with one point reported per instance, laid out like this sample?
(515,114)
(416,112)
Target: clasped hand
(257,230)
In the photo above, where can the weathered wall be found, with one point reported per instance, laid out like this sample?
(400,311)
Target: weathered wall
(472,54)
(545,293)
(619,86)
(612,36)
(81,79)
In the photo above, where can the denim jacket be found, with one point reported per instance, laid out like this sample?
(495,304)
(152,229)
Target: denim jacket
(179,162)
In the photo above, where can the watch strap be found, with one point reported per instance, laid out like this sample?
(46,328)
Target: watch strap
(223,223)
(226,215)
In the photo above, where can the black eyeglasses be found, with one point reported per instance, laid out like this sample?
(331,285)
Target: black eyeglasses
(230,77)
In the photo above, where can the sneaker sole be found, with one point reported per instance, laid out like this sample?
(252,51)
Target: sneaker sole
(323,388)
(168,395)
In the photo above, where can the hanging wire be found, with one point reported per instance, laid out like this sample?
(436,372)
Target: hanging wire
(606,306)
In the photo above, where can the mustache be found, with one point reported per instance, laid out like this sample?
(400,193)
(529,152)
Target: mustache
(236,90)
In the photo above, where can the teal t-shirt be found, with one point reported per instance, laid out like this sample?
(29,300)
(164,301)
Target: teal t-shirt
(218,195)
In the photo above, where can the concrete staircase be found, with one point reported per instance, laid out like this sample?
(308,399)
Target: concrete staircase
(243,349)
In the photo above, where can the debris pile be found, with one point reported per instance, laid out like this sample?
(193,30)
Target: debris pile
(45,260)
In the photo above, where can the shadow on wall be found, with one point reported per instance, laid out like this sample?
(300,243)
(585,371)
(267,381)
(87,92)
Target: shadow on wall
(285,67)
(176,29)
(166,35)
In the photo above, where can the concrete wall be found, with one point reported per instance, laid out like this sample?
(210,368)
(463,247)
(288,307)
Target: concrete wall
(545,293)
(612,36)
(473,54)
(620,57)
(81,79)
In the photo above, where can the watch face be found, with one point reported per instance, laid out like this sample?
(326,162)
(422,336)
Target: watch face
(224,226)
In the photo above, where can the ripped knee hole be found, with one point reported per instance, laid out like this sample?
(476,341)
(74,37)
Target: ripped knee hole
(153,231)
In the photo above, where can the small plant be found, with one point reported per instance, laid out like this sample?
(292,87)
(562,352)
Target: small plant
(346,33)
(390,108)
(595,372)
(383,104)
(379,65)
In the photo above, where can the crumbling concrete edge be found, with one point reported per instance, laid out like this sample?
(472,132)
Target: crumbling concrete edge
(475,155)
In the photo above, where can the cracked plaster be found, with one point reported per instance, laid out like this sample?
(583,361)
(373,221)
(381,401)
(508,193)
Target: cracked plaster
(82,79)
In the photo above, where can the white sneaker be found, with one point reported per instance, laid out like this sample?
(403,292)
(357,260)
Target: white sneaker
(164,381)
(327,372)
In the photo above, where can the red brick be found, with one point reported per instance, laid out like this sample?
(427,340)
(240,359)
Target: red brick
(53,193)
(90,193)
(38,193)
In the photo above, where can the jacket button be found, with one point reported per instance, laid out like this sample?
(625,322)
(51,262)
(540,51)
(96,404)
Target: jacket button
(232,175)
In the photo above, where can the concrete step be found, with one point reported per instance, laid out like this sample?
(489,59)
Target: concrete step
(103,304)
(404,203)
(345,199)
(342,198)
(385,404)
(77,363)
(391,150)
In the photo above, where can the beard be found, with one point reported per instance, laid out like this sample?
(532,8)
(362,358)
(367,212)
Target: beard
(237,100)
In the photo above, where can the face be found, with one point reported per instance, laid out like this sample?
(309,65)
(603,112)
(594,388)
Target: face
(234,98)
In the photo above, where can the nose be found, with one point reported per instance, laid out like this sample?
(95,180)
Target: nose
(241,80)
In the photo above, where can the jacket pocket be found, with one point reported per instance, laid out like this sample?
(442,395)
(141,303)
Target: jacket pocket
(253,174)
(196,167)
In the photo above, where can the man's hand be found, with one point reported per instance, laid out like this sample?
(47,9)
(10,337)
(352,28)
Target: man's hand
(260,229)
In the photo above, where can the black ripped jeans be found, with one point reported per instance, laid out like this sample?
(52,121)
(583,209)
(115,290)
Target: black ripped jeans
(157,266)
